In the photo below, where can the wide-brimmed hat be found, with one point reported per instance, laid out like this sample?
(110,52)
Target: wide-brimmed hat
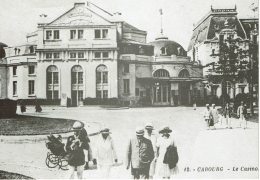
(139,131)
(77,126)
(213,104)
(105,131)
(149,126)
(207,105)
(165,130)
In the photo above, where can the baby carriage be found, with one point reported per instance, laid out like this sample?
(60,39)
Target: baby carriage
(56,157)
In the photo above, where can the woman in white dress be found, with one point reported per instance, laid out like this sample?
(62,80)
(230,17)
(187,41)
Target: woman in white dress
(163,170)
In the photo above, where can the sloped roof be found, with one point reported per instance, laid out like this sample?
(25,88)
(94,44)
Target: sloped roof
(249,25)
(80,15)
(214,22)
(128,28)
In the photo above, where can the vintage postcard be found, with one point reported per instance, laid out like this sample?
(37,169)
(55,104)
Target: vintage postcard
(129,89)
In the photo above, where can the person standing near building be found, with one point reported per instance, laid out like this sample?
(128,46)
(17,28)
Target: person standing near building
(140,154)
(227,114)
(74,148)
(149,134)
(215,114)
(207,116)
(241,113)
(106,154)
(164,168)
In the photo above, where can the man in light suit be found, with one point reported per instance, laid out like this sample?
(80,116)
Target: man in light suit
(140,154)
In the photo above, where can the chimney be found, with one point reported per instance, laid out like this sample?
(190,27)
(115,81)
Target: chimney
(79,4)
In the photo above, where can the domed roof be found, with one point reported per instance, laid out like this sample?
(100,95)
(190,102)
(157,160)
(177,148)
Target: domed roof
(3,44)
(165,47)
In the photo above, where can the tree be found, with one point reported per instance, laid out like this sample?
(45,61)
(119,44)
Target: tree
(232,63)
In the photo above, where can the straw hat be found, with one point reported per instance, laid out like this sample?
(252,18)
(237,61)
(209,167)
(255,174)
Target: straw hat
(105,131)
(149,126)
(139,131)
(165,130)
(77,126)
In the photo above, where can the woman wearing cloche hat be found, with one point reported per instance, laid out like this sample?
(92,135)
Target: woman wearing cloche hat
(106,154)
(164,143)
(74,147)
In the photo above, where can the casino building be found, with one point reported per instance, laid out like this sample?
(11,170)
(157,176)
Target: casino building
(89,54)
(216,25)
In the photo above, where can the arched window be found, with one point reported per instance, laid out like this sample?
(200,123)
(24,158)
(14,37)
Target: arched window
(77,75)
(52,82)
(161,73)
(102,81)
(163,51)
(184,73)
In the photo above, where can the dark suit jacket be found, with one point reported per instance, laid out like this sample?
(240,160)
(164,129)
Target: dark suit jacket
(140,154)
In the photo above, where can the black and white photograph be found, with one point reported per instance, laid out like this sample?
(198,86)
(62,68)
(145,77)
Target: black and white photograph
(129,89)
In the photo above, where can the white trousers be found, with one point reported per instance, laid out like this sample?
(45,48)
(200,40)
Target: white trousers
(243,122)
(228,122)
(78,169)
(104,171)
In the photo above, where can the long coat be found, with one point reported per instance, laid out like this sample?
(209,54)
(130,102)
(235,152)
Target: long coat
(140,155)
(106,153)
(76,155)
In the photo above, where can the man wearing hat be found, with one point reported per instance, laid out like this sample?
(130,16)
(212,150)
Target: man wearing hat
(106,154)
(74,147)
(149,134)
(207,115)
(140,154)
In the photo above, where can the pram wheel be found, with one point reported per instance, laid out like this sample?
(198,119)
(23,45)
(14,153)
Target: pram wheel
(52,161)
(63,164)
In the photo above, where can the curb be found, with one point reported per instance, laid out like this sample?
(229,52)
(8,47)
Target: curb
(34,138)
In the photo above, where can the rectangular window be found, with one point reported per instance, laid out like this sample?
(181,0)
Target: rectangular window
(126,68)
(80,34)
(72,55)
(56,34)
(126,86)
(31,87)
(31,69)
(104,33)
(14,70)
(56,55)
(105,54)
(136,91)
(80,55)
(74,77)
(48,34)
(49,94)
(105,94)
(72,34)
(97,55)
(105,80)
(98,94)
(80,77)
(97,33)
(55,94)
(55,78)
(98,77)
(14,87)
(48,55)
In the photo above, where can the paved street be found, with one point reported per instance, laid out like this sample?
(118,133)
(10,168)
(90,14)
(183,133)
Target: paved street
(197,147)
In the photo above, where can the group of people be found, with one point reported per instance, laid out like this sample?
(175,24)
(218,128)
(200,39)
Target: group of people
(213,116)
(147,155)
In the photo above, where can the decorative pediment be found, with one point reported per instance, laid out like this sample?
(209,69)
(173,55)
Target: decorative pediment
(79,15)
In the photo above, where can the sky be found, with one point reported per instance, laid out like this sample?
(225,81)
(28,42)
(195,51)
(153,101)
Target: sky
(19,17)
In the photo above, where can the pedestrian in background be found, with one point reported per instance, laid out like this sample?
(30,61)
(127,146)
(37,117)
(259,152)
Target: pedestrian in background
(207,116)
(227,114)
(149,134)
(74,148)
(166,159)
(241,113)
(215,114)
(140,154)
(106,154)
(22,106)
